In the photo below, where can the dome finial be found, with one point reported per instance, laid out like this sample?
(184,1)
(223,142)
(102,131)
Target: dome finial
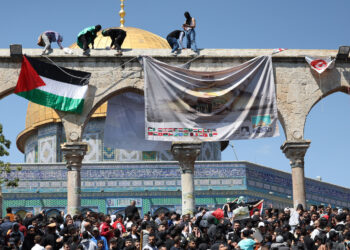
(122,14)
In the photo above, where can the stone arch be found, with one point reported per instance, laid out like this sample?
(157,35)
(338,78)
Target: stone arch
(100,90)
(342,89)
(109,96)
(299,88)
(161,210)
(8,77)
(326,126)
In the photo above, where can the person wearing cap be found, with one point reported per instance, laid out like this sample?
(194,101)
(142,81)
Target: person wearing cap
(117,36)
(48,37)
(287,211)
(280,244)
(261,228)
(86,37)
(97,237)
(28,242)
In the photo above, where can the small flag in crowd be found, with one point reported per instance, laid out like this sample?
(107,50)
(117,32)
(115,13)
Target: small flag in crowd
(259,205)
(46,84)
(243,210)
(320,64)
(275,51)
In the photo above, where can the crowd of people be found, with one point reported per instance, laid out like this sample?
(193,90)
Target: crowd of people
(87,36)
(316,228)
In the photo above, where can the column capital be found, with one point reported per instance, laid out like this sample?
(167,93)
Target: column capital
(295,151)
(186,154)
(74,153)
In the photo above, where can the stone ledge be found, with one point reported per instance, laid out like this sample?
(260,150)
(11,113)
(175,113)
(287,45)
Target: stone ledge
(206,53)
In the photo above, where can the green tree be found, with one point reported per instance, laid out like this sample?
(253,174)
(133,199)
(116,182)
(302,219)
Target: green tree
(5,168)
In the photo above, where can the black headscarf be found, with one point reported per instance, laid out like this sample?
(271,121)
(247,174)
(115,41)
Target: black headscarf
(188,18)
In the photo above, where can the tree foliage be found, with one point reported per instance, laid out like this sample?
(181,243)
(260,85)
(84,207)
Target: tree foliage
(5,168)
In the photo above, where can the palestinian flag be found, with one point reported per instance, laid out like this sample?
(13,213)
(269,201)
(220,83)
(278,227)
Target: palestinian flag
(257,205)
(51,86)
(244,210)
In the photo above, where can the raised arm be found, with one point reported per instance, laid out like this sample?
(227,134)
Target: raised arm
(193,24)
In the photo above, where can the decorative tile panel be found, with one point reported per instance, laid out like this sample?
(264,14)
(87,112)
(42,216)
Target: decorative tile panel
(93,152)
(47,149)
(128,155)
(149,156)
(108,154)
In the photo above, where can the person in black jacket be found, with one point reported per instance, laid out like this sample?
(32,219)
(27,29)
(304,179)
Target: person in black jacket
(51,238)
(117,36)
(28,242)
(131,212)
(175,40)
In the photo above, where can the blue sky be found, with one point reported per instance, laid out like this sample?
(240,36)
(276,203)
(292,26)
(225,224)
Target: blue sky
(220,24)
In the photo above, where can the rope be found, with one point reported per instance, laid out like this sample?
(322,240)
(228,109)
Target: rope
(86,78)
(192,59)
(121,65)
(83,78)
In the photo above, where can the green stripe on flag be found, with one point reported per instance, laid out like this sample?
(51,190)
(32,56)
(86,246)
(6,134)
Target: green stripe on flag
(54,101)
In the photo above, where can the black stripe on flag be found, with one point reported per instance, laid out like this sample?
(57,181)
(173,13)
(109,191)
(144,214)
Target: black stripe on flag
(53,72)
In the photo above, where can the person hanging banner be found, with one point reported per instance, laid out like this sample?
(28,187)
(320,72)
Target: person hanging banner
(125,124)
(320,64)
(191,106)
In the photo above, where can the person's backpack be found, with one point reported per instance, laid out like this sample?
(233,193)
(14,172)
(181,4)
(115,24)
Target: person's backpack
(41,41)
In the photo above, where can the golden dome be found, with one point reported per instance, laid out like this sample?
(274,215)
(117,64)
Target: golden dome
(135,39)
(38,115)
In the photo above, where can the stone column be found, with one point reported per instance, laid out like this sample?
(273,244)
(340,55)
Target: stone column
(1,201)
(74,153)
(186,155)
(295,151)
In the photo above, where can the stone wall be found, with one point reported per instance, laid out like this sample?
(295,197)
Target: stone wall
(298,87)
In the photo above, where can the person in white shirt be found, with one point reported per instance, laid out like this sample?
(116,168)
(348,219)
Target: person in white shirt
(37,246)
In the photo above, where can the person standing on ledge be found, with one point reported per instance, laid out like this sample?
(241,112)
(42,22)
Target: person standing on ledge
(46,38)
(86,37)
(175,40)
(117,36)
(189,26)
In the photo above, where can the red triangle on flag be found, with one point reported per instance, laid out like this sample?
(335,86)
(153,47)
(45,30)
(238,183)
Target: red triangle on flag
(259,206)
(28,78)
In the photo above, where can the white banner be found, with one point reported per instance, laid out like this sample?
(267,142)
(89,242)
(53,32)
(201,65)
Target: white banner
(185,105)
